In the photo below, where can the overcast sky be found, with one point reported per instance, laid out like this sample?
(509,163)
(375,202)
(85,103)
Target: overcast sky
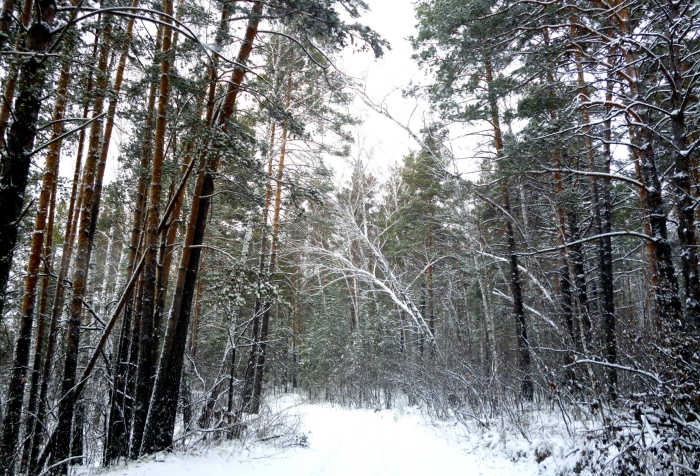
(384,79)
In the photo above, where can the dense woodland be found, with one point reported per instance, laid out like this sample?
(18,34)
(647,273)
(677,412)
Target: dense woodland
(224,262)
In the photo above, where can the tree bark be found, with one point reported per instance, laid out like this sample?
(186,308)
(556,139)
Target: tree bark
(109,126)
(5,20)
(565,282)
(605,258)
(265,324)
(61,445)
(682,180)
(14,170)
(57,305)
(119,424)
(145,362)
(251,367)
(14,65)
(526,386)
(583,323)
(670,308)
(161,419)
(41,234)
(132,369)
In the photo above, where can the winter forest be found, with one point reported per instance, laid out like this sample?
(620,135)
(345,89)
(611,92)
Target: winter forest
(179,250)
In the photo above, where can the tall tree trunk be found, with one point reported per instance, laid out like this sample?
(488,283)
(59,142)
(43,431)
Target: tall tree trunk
(489,329)
(118,435)
(670,308)
(14,65)
(32,412)
(57,305)
(61,445)
(265,324)
(14,170)
(109,126)
(430,291)
(161,419)
(46,198)
(132,369)
(145,363)
(197,315)
(117,440)
(600,197)
(565,281)
(682,180)
(605,257)
(8,94)
(165,263)
(5,20)
(252,366)
(526,387)
(583,322)
(78,438)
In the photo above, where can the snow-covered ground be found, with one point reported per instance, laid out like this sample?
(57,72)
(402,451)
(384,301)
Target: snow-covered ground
(340,441)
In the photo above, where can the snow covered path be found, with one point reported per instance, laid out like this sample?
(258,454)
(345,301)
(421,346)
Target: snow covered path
(344,442)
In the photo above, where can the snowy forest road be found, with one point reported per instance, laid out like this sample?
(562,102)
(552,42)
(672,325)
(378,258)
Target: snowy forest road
(345,442)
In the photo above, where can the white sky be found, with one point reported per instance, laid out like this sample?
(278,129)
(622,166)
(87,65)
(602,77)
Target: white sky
(379,137)
(384,79)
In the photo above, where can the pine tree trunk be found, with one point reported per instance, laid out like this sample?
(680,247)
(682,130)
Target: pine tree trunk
(119,416)
(109,126)
(42,308)
(8,94)
(163,275)
(197,316)
(46,199)
(431,295)
(14,64)
(565,282)
(682,180)
(61,445)
(14,171)
(145,362)
(670,308)
(605,262)
(165,263)
(132,370)
(160,426)
(5,20)
(169,234)
(57,305)
(117,441)
(583,322)
(526,387)
(489,331)
(265,324)
(78,438)
(251,367)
